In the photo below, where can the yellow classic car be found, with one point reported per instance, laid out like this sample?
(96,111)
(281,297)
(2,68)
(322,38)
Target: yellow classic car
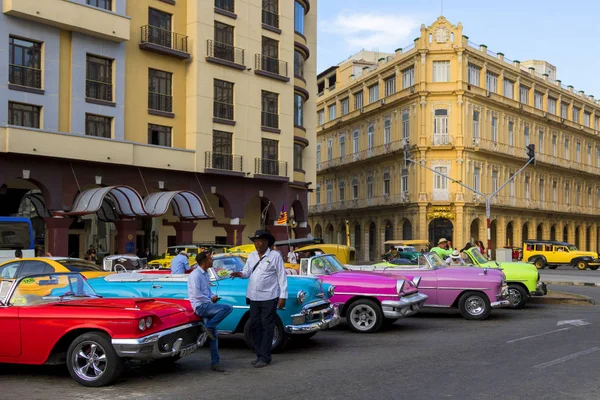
(191,250)
(346,254)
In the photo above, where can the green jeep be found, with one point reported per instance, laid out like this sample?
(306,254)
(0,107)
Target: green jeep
(523,278)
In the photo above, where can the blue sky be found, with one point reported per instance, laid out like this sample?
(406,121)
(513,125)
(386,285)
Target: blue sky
(563,33)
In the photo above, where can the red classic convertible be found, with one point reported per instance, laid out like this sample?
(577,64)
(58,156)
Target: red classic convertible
(57,318)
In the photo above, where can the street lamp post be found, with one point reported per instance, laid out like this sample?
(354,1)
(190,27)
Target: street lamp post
(488,199)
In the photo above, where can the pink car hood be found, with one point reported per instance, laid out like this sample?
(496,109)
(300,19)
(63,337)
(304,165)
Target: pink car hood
(368,283)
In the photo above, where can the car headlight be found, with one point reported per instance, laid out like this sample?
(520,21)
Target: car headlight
(330,291)
(148,322)
(400,285)
(142,324)
(301,296)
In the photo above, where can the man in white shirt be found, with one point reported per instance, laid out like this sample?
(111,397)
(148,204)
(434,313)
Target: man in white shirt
(267,291)
(292,256)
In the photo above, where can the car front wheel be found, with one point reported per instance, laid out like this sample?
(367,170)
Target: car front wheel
(540,263)
(364,316)
(581,265)
(92,361)
(474,306)
(518,294)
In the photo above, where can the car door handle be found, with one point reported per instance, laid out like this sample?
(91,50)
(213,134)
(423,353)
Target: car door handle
(156,287)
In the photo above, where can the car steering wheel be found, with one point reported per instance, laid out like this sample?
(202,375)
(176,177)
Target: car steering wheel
(120,269)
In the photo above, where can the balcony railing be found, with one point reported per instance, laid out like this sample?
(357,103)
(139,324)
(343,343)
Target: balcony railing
(223,161)
(271,19)
(160,102)
(272,65)
(264,166)
(25,76)
(223,110)
(225,52)
(362,155)
(440,139)
(99,90)
(227,5)
(380,201)
(270,120)
(163,38)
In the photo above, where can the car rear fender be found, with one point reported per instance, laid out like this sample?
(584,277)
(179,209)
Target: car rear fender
(575,260)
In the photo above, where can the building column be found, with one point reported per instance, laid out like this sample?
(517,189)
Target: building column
(302,231)
(500,232)
(365,232)
(184,232)
(593,238)
(126,232)
(280,232)
(571,234)
(517,232)
(57,235)
(422,230)
(459,228)
(583,236)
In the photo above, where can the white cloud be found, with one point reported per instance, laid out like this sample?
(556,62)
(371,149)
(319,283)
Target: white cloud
(372,30)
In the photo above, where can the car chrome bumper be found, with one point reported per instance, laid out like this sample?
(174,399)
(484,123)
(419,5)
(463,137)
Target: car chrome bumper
(404,307)
(501,303)
(167,343)
(540,289)
(326,322)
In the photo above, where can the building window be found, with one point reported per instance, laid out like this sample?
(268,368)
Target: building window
(329,149)
(222,147)
(589,196)
(298,110)
(567,149)
(440,183)
(405,125)
(491,82)
(586,119)
(159,90)
(321,117)
(542,197)
(387,131)
(99,78)
(345,104)
(476,127)
(527,189)
(358,100)
(104,4)
(370,137)
(25,63)
(332,112)
(554,192)
(159,135)
(299,18)
(24,115)
(509,89)
(342,145)
(524,94)
(390,86)
(355,188)
(342,187)
(408,77)
(474,74)
(440,127)
(299,61)
(526,139)
(318,194)
(98,126)
(270,13)
(224,44)
(355,144)
(494,181)
(511,133)
(298,150)
(578,152)
(552,106)
(554,139)
(223,102)
(589,154)
(270,56)
(270,157)
(318,156)
(567,193)
(370,187)
(540,148)
(598,198)
(386,183)
(476,179)
(596,123)
(598,157)
(270,109)
(227,5)
(538,100)
(159,29)
(576,112)
(564,110)
(404,180)
(578,196)
(441,71)
(512,186)
(373,93)
(495,129)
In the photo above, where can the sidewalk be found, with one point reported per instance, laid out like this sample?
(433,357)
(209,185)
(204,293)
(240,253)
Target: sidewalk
(570,279)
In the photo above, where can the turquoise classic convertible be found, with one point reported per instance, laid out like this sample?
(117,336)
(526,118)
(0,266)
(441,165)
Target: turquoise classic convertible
(307,309)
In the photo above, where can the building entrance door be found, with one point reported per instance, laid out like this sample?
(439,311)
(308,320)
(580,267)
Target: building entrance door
(440,228)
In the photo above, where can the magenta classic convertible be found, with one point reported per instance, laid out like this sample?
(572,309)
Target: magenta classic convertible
(474,291)
(366,299)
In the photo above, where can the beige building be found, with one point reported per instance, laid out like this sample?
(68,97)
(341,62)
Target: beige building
(469,113)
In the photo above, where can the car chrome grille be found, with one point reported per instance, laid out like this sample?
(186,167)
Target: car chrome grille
(188,336)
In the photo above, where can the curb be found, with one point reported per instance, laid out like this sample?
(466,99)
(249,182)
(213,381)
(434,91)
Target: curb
(572,283)
(583,301)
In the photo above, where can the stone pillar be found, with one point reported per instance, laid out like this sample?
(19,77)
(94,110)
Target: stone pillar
(302,231)
(460,239)
(422,227)
(280,232)
(57,236)
(184,232)
(366,250)
(571,235)
(500,233)
(126,232)
(593,238)
(517,232)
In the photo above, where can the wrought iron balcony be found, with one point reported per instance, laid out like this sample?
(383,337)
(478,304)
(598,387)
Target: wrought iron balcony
(225,54)
(270,120)
(223,110)
(99,90)
(223,161)
(270,19)
(271,67)
(441,139)
(25,76)
(265,166)
(160,102)
(165,42)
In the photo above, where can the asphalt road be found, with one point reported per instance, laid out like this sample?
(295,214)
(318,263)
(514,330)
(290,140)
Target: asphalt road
(516,354)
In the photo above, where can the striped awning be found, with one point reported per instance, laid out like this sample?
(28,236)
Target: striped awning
(186,204)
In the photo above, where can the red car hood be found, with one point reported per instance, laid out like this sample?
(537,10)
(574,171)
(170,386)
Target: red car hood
(160,308)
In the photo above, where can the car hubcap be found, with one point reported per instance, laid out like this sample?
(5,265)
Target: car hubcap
(363,317)
(516,296)
(89,361)
(275,337)
(581,265)
(475,305)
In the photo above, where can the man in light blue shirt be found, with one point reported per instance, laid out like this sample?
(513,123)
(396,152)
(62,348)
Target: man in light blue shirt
(180,263)
(204,303)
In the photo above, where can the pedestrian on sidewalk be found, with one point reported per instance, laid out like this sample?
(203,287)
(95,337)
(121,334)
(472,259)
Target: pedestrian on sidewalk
(204,303)
(267,291)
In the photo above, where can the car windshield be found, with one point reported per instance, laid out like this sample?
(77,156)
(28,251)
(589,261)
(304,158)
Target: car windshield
(224,266)
(79,265)
(50,288)
(326,265)
(478,256)
(431,260)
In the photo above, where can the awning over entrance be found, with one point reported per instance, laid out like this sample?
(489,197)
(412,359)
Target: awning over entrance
(186,204)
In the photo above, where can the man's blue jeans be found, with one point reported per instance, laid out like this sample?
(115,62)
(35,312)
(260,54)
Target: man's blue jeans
(214,313)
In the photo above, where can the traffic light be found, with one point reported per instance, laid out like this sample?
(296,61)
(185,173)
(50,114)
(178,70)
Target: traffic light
(531,153)
(406,153)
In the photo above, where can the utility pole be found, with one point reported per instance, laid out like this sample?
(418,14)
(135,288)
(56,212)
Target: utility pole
(488,198)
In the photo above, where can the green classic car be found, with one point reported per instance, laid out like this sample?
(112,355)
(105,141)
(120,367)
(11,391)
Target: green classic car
(523,278)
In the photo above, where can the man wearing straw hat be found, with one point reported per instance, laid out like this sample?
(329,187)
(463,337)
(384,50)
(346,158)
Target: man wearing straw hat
(267,291)
(442,249)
